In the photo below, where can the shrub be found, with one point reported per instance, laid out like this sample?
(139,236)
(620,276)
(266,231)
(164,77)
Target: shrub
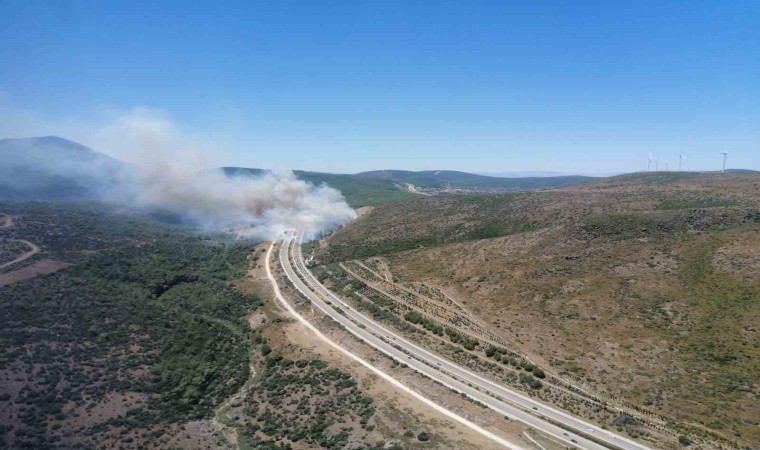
(623,419)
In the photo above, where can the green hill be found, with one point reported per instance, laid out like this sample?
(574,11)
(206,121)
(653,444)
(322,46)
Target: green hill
(358,191)
(455,179)
(385,186)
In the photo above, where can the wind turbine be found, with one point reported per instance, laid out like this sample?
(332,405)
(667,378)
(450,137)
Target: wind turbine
(657,164)
(725,155)
(680,158)
(649,162)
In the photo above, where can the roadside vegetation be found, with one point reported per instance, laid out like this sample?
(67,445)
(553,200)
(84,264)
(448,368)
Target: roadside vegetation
(304,401)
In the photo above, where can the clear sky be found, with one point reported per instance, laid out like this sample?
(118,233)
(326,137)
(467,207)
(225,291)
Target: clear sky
(358,85)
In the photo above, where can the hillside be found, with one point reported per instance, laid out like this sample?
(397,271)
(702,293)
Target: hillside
(357,191)
(643,287)
(52,168)
(449,178)
(664,200)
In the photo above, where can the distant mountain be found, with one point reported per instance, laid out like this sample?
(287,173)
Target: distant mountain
(741,171)
(535,173)
(52,168)
(454,179)
(384,186)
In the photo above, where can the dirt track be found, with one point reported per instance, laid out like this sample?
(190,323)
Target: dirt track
(34,250)
(6,221)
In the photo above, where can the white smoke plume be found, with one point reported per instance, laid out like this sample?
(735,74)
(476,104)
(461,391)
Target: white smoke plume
(174,173)
(171,170)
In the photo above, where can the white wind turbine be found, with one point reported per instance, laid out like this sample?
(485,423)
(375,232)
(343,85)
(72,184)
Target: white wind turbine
(649,162)
(657,164)
(725,155)
(680,158)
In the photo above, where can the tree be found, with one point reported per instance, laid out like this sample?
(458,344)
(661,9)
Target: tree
(423,437)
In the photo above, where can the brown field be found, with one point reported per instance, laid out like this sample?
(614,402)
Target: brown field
(644,288)
(43,267)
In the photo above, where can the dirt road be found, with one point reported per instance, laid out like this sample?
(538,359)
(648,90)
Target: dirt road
(34,250)
(6,221)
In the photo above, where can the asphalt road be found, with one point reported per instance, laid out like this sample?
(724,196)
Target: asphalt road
(388,378)
(559,425)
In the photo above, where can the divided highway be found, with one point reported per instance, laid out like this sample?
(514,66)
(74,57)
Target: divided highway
(559,425)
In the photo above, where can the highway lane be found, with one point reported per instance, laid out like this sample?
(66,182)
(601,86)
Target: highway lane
(404,388)
(519,407)
(443,364)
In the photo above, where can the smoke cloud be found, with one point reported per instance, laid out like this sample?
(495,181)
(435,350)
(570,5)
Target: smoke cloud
(168,169)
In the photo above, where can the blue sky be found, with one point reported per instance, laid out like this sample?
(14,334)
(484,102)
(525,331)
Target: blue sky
(351,86)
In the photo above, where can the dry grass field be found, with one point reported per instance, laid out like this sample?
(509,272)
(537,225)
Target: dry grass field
(644,287)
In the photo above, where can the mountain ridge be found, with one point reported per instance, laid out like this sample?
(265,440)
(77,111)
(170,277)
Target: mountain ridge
(54,168)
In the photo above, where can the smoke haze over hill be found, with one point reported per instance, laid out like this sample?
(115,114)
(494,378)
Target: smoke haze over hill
(164,170)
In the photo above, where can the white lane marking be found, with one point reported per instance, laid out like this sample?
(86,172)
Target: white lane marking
(379,372)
